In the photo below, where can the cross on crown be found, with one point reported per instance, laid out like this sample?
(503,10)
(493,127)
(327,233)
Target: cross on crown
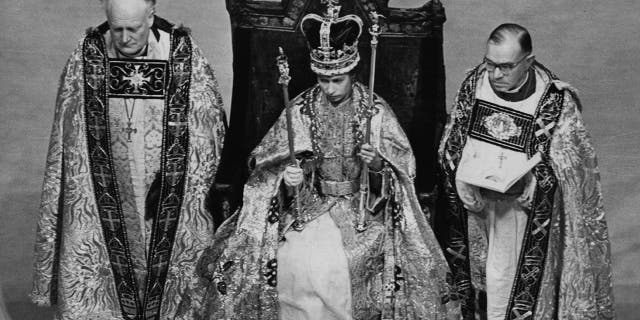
(333,10)
(333,40)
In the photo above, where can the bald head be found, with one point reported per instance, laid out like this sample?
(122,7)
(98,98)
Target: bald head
(127,8)
(149,2)
(129,24)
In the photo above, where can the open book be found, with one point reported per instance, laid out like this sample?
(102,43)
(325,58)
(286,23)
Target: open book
(488,176)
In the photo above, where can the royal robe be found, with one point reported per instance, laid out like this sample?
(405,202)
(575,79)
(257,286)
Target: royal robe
(394,267)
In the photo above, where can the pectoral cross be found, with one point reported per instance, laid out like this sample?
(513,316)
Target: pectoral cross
(129,130)
(501,157)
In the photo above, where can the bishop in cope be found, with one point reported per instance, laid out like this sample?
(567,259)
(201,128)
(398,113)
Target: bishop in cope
(523,225)
(136,138)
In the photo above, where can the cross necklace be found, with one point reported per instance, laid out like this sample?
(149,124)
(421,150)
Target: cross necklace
(129,129)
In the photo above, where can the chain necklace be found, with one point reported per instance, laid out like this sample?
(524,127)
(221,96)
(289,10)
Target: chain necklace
(129,129)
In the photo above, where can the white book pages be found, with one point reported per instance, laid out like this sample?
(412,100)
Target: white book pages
(488,176)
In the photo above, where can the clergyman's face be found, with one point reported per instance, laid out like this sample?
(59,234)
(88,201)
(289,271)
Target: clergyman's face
(129,24)
(515,64)
(337,88)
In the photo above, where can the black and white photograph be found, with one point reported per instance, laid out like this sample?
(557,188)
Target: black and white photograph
(319,160)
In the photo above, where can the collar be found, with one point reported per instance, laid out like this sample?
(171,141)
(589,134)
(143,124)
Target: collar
(155,26)
(524,91)
(143,53)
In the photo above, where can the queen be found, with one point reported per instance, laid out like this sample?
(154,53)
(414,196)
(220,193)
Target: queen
(300,247)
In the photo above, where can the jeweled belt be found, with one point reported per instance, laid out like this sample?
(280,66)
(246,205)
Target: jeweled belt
(313,210)
(339,188)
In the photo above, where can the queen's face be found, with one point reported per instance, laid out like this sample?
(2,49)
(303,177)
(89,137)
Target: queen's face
(337,88)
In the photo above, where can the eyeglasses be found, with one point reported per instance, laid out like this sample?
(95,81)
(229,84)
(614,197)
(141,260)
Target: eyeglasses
(505,68)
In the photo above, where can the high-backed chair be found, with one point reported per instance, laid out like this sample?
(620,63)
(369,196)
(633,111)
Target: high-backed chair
(410,76)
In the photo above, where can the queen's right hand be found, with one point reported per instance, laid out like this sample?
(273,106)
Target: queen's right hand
(293,176)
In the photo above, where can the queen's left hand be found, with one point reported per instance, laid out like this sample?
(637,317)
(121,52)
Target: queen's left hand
(371,157)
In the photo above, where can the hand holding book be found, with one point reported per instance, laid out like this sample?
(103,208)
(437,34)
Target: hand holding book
(498,175)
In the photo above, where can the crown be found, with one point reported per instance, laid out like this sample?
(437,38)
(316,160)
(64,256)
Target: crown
(332,40)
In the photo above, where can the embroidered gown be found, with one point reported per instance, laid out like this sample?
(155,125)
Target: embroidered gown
(313,282)
(269,262)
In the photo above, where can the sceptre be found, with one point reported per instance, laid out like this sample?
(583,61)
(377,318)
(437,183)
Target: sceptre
(283,80)
(374,30)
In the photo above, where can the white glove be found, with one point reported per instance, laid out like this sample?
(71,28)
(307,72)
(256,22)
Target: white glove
(293,175)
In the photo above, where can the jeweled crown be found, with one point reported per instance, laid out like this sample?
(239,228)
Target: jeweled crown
(332,40)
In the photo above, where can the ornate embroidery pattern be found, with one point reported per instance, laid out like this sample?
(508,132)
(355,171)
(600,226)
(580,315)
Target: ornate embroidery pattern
(398,277)
(311,101)
(286,16)
(536,236)
(396,214)
(395,204)
(501,126)
(271,272)
(534,249)
(103,174)
(141,79)
(218,276)
(246,13)
(174,165)
(175,145)
(274,208)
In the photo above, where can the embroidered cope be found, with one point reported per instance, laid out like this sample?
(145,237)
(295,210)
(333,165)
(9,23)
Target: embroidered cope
(97,255)
(540,251)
